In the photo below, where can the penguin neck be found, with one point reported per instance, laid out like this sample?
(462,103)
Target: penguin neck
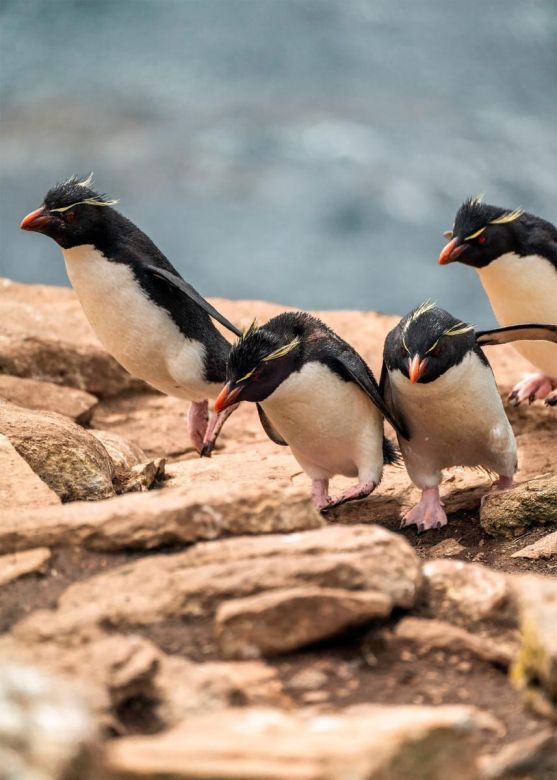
(521,288)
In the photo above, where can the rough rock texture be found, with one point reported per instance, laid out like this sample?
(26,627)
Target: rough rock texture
(68,401)
(67,458)
(141,593)
(44,335)
(284,620)
(123,453)
(20,487)
(546,547)
(46,732)
(466,593)
(17,565)
(536,664)
(510,513)
(374,742)
(533,758)
(438,634)
(160,518)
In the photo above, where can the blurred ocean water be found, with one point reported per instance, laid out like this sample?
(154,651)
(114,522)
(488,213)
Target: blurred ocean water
(303,151)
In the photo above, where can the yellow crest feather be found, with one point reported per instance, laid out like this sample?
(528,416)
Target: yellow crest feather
(476,234)
(284,350)
(508,216)
(458,329)
(87,202)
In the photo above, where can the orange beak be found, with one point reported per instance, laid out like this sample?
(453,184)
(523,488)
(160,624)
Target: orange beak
(451,252)
(226,397)
(35,220)
(416,368)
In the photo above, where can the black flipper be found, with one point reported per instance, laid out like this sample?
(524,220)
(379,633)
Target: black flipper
(271,432)
(353,365)
(526,332)
(186,289)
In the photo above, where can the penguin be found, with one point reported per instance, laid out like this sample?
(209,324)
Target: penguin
(515,255)
(153,322)
(438,382)
(317,395)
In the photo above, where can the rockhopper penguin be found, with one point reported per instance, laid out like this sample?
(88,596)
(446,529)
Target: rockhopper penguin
(318,396)
(438,382)
(154,323)
(515,255)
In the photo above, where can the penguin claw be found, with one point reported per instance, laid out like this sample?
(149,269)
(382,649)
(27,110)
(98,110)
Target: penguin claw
(551,399)
(533,387)
(428,514)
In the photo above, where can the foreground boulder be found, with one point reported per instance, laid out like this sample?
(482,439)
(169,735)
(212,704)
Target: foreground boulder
(535,670)
(72,462)
(46,732)
(364,743)
(510,513)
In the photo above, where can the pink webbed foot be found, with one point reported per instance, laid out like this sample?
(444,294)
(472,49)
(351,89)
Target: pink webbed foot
(320,494)
(216,421)
(428,513)
(359,491)
(198,416)
(534,387)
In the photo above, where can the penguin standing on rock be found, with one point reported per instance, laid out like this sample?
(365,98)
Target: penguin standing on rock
(154,323)
(317,395)
(515,255)
(438,382)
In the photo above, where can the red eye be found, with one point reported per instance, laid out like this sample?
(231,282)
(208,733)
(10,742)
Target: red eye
(70,216)
(435,352)
(482,239)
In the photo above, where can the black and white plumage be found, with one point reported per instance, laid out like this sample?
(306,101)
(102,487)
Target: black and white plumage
(515,255)
(155,324)
(317,395)
(437,380)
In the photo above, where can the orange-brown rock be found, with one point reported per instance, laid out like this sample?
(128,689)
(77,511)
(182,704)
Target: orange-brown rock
(167,516)
(68,401)
(71,461)
(287,618)
(20,487)
(375,742)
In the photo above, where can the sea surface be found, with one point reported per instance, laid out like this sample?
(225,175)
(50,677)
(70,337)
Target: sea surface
(309,152)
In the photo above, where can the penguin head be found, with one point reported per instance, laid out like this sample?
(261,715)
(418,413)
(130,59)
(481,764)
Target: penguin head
(72,214)
(482,233)
(257,364)
(426,343)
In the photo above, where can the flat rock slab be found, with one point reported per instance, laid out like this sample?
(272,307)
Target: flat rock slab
(16,565)
(510,513)
(374,742)
(68,458)
(44,335)
(536,665)
(361,559)
(75,404)
(20,487)
(427,634)
(546,547)
(160,517)
(285,619)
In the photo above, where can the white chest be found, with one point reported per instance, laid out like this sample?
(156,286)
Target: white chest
(457,420)
(327,422)
(137,332)
(524,289)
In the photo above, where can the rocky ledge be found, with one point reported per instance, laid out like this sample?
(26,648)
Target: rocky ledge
(167,616)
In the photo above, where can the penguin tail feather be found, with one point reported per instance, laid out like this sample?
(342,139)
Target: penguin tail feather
(391,453)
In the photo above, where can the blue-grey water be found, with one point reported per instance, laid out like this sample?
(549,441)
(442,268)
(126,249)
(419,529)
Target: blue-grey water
(309,152)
